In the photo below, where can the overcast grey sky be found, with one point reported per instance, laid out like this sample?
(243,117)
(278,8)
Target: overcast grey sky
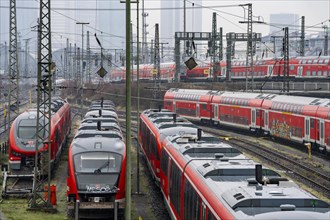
(315,12)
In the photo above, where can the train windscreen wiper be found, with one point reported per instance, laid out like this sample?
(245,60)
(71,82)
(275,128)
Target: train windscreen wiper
(106,164)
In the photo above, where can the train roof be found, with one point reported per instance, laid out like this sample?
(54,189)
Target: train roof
(207,146)
(101,113)
(100,144)
(106,126)
(300,100)
(105,107)
(85,134)
(232,181)
(108,120)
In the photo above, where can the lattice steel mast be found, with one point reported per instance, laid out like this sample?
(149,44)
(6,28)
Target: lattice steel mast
(286,86)
(42,170)
(13,65)
(157,65)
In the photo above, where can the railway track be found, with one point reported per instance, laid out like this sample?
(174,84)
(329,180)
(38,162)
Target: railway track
(313,177)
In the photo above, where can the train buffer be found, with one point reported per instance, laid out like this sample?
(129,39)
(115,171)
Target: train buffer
(14,179)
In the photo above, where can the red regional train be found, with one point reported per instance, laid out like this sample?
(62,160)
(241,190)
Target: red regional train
(96,167)
(154,125)
(294,118)
(299,68)
(22,135)
(203,178)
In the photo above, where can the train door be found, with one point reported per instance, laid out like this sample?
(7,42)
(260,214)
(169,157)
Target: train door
(253,118)
(174,107)
(270,71)
(215,111)
(197,110)
(223,71)
(266,120)
(299,71)
(307,129)
(321,129)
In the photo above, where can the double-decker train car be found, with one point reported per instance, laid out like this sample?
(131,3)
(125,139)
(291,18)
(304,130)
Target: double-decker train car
(96,167)
(22,135)
(299,68)
(304,68)
(298,119)
(201,177)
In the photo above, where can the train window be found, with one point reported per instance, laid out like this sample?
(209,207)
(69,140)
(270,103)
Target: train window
(312,122)
(326,61)
(291,67)
(191,202)
(175,183)
(27,129)
(325,73)
(315,61)
(304,61)
(319,73)
(314,73)
(97,162)
(203,106)
(309,61)
(321,61)
(308,73)
(164,161)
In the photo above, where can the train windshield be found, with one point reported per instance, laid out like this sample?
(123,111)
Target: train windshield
(27,129)
(97,162)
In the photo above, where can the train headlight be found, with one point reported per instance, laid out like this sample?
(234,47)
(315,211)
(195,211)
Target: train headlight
(96,199)
(16,154)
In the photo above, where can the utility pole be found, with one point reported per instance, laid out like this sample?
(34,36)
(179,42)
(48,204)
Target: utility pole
(215,61)
(82,50)
(326,40)
(152,52)
(286,86)
(144,33)
(88,58)
(249,55)
(249,47)
(70,63)
(302,37)
(66,52)
(13,65)
(220,46)
(128,113)
(42,173)
(138,96)
(157,67)
(26,66)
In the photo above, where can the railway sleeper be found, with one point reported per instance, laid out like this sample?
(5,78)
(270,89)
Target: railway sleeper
(92,210)
(6,191)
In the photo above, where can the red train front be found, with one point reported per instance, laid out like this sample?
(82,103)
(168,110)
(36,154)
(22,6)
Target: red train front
(23,135)
(96,172)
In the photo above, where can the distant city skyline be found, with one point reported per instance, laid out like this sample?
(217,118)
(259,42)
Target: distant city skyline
(103,17)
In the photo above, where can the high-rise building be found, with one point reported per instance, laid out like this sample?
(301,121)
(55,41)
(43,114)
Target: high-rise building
(172,19)
(112,24)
